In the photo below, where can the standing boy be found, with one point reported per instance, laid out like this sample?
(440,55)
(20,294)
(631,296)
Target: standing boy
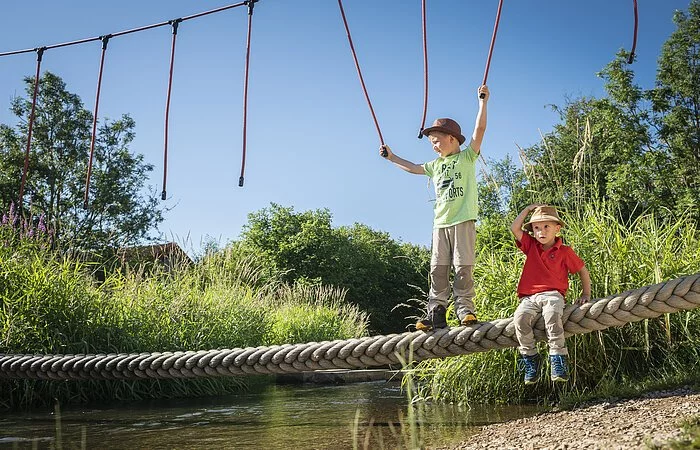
(453,173)
(542,288)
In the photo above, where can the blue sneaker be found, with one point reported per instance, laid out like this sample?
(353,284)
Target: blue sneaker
(530,364)
(560,367)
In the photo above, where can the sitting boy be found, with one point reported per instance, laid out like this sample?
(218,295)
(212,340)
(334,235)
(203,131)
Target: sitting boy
(542,288)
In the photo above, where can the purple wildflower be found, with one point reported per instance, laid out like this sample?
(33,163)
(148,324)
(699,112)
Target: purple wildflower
(42,224)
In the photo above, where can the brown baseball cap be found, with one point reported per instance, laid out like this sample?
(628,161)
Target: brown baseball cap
(544,214)
(448,126)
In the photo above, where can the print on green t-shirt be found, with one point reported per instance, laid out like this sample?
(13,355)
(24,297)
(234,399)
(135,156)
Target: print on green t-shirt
(454,178)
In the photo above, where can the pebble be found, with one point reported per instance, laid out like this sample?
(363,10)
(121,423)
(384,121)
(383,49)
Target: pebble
(615,424)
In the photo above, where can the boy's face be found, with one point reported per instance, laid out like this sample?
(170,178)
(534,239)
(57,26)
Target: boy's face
(545,232)
(444,144)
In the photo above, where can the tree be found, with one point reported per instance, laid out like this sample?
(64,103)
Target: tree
(119,212)
(378,272)
(676,106)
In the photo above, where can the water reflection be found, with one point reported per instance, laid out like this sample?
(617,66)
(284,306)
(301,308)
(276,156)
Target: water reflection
(280,416)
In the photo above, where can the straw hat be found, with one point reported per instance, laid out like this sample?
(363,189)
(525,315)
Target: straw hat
(448,126)
(544,214)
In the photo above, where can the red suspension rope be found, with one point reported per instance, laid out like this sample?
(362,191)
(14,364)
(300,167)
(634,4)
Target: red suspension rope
(39,55)
(359,73)
(174,24)
(425,72)
(105,40)
(630,60)
(493,41)
(251,5)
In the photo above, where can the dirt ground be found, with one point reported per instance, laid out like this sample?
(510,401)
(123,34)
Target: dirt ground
(638,423)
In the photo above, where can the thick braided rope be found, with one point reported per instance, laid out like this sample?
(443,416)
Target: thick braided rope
(631,306)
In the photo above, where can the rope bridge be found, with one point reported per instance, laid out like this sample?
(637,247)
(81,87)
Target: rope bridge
(681,294)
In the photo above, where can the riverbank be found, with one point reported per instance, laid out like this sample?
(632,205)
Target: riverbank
(645,422)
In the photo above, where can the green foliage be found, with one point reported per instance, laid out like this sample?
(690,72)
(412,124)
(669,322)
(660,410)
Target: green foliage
(313,313)
(376,271)
(120,214)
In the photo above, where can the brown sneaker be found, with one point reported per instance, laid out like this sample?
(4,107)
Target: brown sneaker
(469,319)
(437,318)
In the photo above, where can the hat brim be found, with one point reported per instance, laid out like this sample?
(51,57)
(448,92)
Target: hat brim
(459,137)
(528,226)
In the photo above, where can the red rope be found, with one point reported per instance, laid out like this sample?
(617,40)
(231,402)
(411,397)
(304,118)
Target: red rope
(39,55)
(630,60)
(174,24)
(251,5)
(425,73)
(105,40)
(359,73)
(493,41)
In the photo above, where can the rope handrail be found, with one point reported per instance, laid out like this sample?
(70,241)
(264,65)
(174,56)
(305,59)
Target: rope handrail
(616,310)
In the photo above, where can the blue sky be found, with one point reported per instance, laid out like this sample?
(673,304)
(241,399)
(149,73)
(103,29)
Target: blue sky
(311,139)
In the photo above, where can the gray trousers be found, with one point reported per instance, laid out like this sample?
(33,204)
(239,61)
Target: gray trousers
(462,288)
(453,246)
(551,305)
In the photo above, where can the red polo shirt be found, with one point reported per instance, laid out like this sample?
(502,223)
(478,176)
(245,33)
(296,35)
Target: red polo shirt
(546,270)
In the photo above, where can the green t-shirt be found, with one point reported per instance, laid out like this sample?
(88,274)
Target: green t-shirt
(454,178)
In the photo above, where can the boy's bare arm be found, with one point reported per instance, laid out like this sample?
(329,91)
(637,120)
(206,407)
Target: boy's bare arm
(408,166)
(480,126)
(517,227)
(585,286)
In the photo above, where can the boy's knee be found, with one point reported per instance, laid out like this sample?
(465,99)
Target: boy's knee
(552,316)
(522,320)
(439,271)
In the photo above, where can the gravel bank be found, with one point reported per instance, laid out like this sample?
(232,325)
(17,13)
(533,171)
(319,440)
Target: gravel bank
(616,424)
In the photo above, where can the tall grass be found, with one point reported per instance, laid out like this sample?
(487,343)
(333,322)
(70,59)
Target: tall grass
(620,256)
(50,304)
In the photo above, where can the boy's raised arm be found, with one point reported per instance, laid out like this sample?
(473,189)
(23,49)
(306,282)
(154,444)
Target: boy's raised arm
(480,125)
(408,166)
(517,227)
